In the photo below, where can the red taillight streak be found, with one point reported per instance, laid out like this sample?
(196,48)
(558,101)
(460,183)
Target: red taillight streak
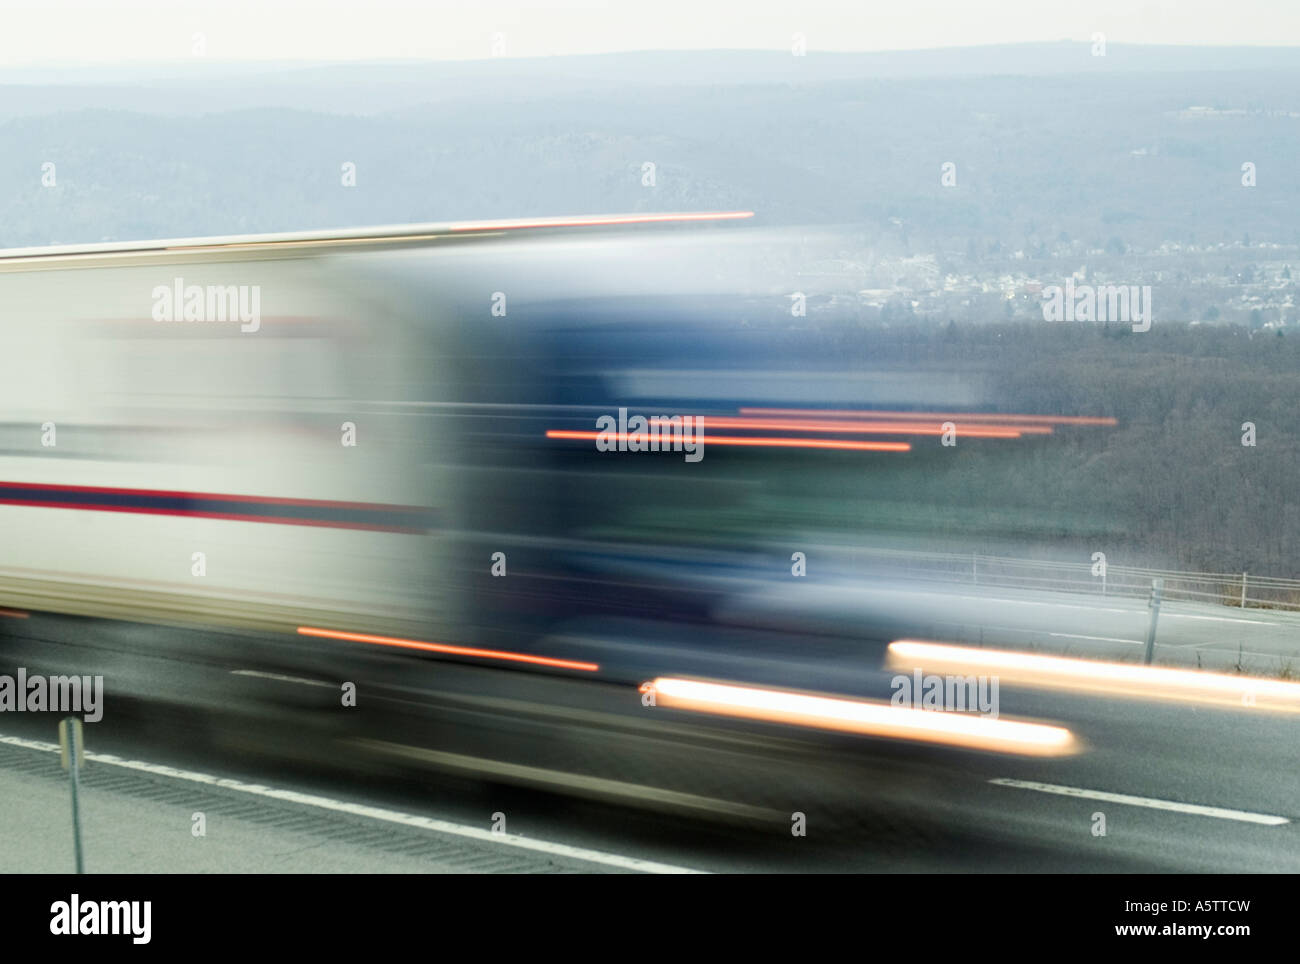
(446,648)
(793,443)
(882,428)
(930,416)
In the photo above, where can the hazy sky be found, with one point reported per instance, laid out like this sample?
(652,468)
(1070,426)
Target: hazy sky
(59,32)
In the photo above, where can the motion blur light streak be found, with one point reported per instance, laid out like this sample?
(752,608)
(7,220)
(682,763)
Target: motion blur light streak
(599,220)
(446,648)
(864,717)
(1118,679)
(884,428)
(791,443)
(929,416)
(13,614)
(363,238)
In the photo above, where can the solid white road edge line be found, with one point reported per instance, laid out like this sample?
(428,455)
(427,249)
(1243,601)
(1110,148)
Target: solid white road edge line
(375,813)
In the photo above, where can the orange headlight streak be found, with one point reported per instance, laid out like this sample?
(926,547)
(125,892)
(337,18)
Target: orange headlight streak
(789,443)
(931,416)
(448,649)
(13,613)
(869,718)
(1094,676)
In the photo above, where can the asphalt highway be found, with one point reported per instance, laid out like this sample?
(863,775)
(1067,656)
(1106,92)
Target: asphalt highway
(449,766)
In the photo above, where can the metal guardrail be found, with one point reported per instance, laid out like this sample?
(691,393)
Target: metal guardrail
(1240,590)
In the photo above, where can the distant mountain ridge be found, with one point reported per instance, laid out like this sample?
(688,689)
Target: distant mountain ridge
(1050,146)
(404,83)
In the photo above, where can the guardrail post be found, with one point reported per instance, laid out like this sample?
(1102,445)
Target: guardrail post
(974,571)
(72,751)
(1157,586)
(1243,590)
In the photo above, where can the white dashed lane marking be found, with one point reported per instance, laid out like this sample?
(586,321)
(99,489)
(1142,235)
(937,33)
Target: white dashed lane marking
(1222,813)
(281,679)
(1104,639)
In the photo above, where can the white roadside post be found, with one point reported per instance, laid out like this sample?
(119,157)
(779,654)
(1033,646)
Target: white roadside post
(72,754)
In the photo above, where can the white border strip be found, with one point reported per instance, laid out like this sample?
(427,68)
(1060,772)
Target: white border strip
(375,813)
